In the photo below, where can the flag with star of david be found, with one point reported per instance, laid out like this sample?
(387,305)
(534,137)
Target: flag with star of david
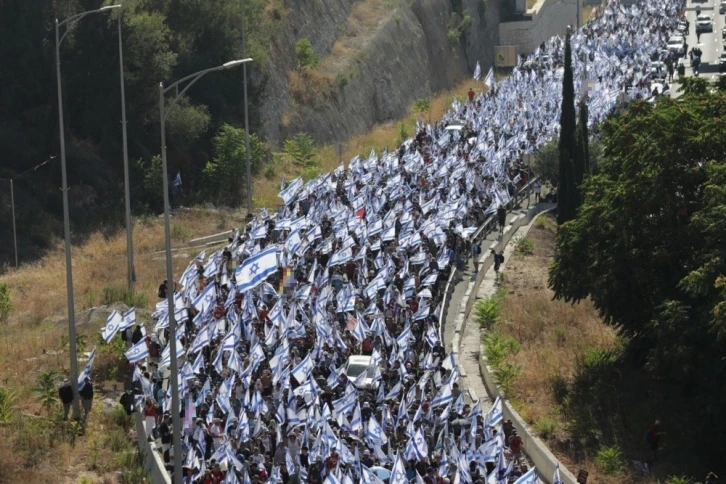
(255,270)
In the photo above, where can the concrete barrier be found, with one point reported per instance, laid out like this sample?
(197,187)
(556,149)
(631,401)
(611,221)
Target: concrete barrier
(535,449)
(153,458)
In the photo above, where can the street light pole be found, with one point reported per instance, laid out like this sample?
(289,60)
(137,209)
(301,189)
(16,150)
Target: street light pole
(15,233)
(247,122)
(131,274)
(170,285)
(66,216)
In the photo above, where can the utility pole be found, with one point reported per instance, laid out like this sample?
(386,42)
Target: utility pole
(131,273)
(15,233)
(247,120)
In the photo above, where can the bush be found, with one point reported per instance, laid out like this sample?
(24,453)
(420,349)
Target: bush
(117,440)
(524,247)
(117,417)
(486,312)
(505,375)
(402,133)
(45,389)
(545,427)
(180,232)
(306,55)
(7,405)
(301,150)
(498,347)
(6,304)
(341,79)
(421,105)
(112,294)
(270,173)
(679,480)
(609,459)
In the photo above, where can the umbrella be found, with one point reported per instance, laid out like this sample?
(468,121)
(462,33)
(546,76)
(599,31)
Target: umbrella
(460,422)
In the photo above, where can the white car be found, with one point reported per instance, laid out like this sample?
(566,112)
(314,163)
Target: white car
(677,45)
(658,70)
(356,366)
(704,23)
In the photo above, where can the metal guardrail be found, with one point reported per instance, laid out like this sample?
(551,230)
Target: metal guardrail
(484,229)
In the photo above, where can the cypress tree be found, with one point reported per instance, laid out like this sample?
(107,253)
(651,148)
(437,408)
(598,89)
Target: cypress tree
(585,136)
(567,195)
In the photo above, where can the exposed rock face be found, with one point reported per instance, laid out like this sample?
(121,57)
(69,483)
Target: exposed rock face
(377,57)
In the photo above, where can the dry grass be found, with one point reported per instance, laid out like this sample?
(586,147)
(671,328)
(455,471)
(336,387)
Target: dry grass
(308,86)
(553,336)
(386,134)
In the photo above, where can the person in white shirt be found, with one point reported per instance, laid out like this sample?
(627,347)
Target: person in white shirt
(537,191)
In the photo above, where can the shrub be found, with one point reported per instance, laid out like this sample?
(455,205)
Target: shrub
(112,294)
(7,405)
(341,79)
(180,232)
(524,247)
(6,304)
(310,173)
(545,427)
(486,312)
(301,150)
(609,459)
(270,173)
(306,55)
(45,389)
(498,347)
(117,440)
(679,480)
(117,417)
(421,105)
(402,133)
(505,376)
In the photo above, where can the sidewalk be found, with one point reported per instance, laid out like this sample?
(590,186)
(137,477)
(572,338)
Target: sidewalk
(471,382)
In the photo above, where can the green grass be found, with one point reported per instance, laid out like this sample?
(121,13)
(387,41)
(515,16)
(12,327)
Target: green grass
(524,246)
(609,459)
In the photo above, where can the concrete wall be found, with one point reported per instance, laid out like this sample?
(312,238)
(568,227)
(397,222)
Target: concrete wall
(153,458)
(548,18)
(536,450)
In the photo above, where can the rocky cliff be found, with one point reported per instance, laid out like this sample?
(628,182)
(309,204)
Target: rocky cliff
(376,58)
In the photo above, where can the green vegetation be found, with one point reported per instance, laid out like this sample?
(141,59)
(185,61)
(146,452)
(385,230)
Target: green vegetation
(421,106)
(6,304)
(524,246)
(610,459)
(7,405)
(567,195)
(456,27)
(646,247)
(486,312)
(46,390)
(163,40)
(226,174)
(300,150)
(306,55)
(112,294)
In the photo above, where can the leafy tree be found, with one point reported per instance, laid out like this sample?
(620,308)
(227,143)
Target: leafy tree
(226,174)
(152,193)
(567,193)
(300,149)
(647,245)
(547,162)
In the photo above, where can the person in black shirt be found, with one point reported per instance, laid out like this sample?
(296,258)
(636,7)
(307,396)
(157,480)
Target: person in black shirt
(86,394)
(165,432)
(502,218)
(65,393)
(137,334)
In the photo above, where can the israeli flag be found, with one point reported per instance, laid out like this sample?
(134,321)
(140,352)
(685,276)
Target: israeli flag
(419,445)
(86,373)
(495,413)
(288,194)
(113,325)
(556,479)
(477,72)
(340,257)
(128,319)
(398,473)
(302,371)
(529,477)
(422,313)
(489,79)
(256,269)
(137,352)
(443,397)
(205,301)
(259,232)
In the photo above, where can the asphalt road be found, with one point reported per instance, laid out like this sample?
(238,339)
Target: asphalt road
(711,43)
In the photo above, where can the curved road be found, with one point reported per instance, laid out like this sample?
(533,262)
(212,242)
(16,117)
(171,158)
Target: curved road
(711,43)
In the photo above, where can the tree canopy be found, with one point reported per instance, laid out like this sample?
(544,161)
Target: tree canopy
(647,244)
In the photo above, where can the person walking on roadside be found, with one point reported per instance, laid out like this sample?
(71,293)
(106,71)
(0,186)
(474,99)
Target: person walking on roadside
(65,393)
(652,438)
(86,394)
(501,218)
(475,253)
(537,191)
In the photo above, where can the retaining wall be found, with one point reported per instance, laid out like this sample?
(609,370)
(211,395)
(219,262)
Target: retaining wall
(153,459)
(546,19)
(536,450)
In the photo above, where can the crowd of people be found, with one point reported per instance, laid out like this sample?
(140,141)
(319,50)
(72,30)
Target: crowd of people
(271,330)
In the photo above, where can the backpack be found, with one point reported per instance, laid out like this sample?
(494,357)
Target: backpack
(162,291)
(476,249)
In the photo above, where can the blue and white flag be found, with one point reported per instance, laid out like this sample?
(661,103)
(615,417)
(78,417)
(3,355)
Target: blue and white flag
(137,352)
(302,371)
(86,373)
(495,413)
(128,319)
(477,71)
(205,301)
(178,180)
(489,79)
(443,397)
(256,269)
(374,433)
(113,324)
(557,479)
(529,477)
(398,473)
(289,192)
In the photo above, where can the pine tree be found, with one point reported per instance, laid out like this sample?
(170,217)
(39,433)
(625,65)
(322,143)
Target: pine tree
(567,195)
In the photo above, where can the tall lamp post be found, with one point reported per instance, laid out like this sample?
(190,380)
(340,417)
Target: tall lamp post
(70,22)
(163,113)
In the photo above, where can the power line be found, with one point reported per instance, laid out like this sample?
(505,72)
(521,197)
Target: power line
(31,169)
